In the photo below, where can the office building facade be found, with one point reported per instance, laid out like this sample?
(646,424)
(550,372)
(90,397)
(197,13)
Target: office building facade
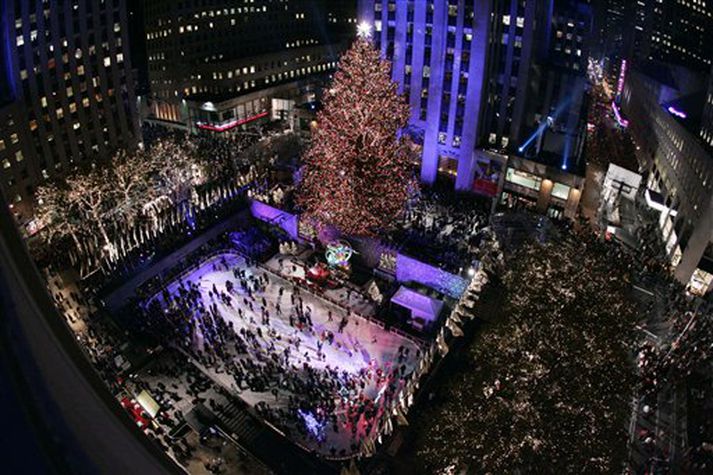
(67,98)
(215,67)
(665,106)
(671,31)
(487,75)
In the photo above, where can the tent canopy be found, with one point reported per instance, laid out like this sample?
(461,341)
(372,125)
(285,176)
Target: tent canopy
(420,305)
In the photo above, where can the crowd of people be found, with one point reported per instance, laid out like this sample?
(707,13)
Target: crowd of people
(275,353)
(676,353)
(443,227)
(311,379)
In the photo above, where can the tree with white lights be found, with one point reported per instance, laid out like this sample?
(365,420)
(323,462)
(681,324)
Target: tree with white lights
(547,390)
(55,215)
(88,194)
(131,175)
(358,173)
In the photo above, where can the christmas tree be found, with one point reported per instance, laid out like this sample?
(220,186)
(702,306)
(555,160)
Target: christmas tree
(358,172)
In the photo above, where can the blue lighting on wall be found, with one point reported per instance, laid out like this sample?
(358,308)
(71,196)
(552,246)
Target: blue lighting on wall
(8,86)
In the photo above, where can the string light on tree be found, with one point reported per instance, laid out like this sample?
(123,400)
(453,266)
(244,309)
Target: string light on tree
(358,173)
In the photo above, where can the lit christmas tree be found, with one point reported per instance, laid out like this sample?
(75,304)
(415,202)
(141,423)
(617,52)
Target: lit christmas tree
(358,172)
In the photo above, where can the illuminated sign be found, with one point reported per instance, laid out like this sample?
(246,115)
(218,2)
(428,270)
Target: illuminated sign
(622,76)
(232,124)
(619,119)
(673,111)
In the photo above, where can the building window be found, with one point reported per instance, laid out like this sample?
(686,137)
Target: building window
(560,191)
(524,179)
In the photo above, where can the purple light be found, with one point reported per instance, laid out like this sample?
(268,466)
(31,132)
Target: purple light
(619,119)
(312,424)
(410,269)
(283,219)
(672,110)
(622,76)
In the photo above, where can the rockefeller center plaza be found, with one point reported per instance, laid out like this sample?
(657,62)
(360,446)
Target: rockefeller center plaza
(360,237)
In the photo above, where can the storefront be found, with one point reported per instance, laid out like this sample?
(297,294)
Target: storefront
(545,189)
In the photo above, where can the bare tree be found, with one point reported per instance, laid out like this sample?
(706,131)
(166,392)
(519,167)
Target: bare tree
(131,185)
(89,193)
(177,168)
(53,211)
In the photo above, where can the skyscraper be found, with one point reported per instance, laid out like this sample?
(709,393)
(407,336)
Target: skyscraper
(612,23)
(66,95)
(217,66)
(439,62)
(706,132)
(499,75)
(668,108)
(672,31)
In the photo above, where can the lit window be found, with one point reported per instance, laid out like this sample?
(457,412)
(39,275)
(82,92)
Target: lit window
(19,156)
